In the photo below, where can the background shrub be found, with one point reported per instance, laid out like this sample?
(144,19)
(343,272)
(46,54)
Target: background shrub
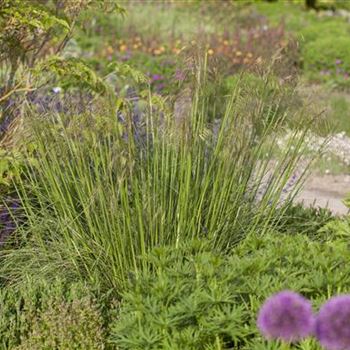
(326,59)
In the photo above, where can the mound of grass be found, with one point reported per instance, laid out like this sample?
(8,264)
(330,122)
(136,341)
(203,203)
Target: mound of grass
(103,192)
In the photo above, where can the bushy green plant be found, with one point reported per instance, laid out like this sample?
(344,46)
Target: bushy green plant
(32,31)
(196,299)
(314,30)
(327,59)
(308,221)
(187,304)
(338,227)
(54,315)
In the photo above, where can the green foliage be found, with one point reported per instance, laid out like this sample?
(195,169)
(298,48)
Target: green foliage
(328,59)
(188,304)
(125,70)
(197,299)
(339,228)
(308,221)
(107,192)
(73,72)
(276,98)
(25,26)
(10,164)
(54,315)
(323,40)
(315,30)
(32,31)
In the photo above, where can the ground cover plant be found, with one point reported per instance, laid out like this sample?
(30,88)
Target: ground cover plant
(149,171)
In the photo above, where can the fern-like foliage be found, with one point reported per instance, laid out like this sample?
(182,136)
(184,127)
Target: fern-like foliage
(72,72)
(123,70)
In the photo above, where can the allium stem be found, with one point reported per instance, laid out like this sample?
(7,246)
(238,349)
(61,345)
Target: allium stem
(285,346)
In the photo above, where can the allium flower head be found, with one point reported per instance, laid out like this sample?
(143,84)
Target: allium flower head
(333,323)
(286,316)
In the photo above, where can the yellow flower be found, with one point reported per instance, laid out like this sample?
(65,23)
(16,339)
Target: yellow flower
(283,43)
(225,42)
(109,50)
(210,52)
(123,48)
(238,53)
(249,55)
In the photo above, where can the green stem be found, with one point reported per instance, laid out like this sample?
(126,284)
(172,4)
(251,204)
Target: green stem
(285,346)
(218,343)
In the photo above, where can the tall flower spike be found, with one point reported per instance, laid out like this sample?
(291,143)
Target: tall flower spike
(286,316)
(333,323)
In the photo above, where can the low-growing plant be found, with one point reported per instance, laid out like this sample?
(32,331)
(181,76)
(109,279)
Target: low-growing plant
(308,221)
(196,299)
(333,65)
(54,315)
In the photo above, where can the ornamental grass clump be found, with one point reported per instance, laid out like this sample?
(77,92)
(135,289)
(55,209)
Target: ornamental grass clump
(333,324)
(286,316)
(99,195)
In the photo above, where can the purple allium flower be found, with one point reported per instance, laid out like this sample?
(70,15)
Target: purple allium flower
(286,316)
(333,323)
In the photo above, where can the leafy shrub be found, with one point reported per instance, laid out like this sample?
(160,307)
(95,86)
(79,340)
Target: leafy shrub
(338,227)
(308,221)
(315,29)
(196,299)
(50,316)
(31,32)
(328,59)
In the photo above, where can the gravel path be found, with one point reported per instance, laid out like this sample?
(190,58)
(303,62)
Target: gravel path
(326,191)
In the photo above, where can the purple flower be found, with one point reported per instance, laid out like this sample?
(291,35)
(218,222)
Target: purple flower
(156,77)
(286,316)
(333,323)
(338,61)
(160,87)
(180,75)
(126,57)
